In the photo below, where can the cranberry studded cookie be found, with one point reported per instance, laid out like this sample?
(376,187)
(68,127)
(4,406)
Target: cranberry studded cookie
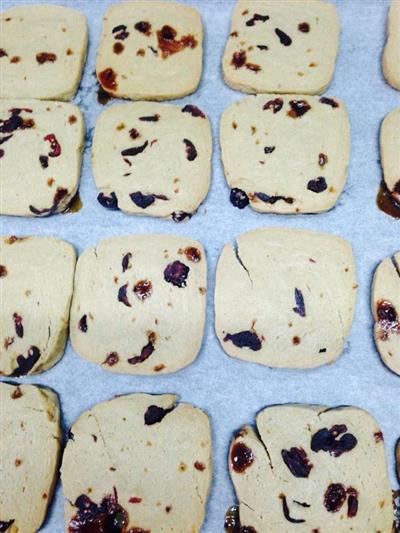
(391,54)
(30,440)
(40,153)
(144,464)
(312,469)
(139,303)
(159,160)
(43,49)
(386,311)
(281,46)
(285,297)
(150,50)
(390,153)
(36,280)
(286,154)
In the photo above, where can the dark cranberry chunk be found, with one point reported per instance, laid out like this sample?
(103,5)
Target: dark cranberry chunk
(273,105)
(300,308)
(155,414)
(269,149)
(328,101)
(273,199)
(297,461)
(262,47)
(241,457)
(109,202)
(4,525)
(55,148)
(3,53)
(3,271)
(143,289)
(352,502)
(19,328)
(108,79)
(239,198)
(317,185)
(44,161)
(107,517)
(111,359)
(304,27)
(118,48)
(135,150)
(334,497)
(25,364)
(82,325)
(239,59)
(257,18)
(169,45)
(16,122)
(192,254)
(180,216)
(126,261)
(283,37)
(147,350)
(145,200)
(327,440)
(298,108)
(5,138)
(59,195)
(191,152)
(45,57)
(122,296)
(193,110)
(386,311)
(245,339)
(322,159)
(286,512)
(120,32)
(232,522)
(151,118)
(133,133)
(176,273)
(144,27)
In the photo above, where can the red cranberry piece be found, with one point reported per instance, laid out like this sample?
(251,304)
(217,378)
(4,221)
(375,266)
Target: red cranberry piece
(4,525)
(317,185)
(193,110)
(108,516)
(143,289)
(176,273)
(335,497)
(273,105)
(107,78)
(17,393)
(300,307)
(180,216)
(45,57)
(322,160)
(298,108)
(386,312)
(241,457)
(145,27)
(304,27)
(191,152)
(109,202)
(1,153)
(168,33)
(82,325)
(155,414)
(352,502)
(2,54)
(133,133)
(19,328)
(118,48)
(147,350)
(378,436)
(122,296)
(245,339)
(257,18)
(111,359)
(328,101)
(25,364)
(44,161)
(126,261)
(239,198)
(239,59)
(54,145)
(199,466)
(283,37)
(135,150)
(297,461)
(192,254)
(3,271)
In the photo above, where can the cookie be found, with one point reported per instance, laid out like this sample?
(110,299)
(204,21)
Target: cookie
(43,50)
(391,54)
(143,459)
(390,152)
(285,154)
(41,152)
(386,311)
(36,278)
(30,440)
(312,469)
(150,50)
(159,160)
(281,46)
(139,303)
(285,297)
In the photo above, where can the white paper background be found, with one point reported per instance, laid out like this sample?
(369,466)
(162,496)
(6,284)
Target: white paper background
(229,390)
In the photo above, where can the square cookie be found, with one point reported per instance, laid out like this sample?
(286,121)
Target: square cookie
(30,441)
(312,469)
(43,50)
(147,461)
(391,54)
(36,280)
(150,50)
(139,303)
(41,151)
(285,154)
(285,297)
(390,154)
(159,160)
(281,46)
(386,311)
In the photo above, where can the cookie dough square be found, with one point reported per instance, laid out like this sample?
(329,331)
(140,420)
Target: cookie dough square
(312,468)
(41,151)
(150,50)
(285,154)
(281,46)
(386,311)
(152,159)
(391,54)
(146,459)
(36,281)
(390,153)
(42,51)
(30,441)
(285,297)
(139,303)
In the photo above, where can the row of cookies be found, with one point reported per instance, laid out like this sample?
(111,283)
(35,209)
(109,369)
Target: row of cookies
(145,465)
(153,50)
(155,159)
(283,298)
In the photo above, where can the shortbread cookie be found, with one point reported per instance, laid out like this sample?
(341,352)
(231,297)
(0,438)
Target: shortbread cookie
(390,152)
(143,460)
(150,50)
(30,440)
(285,297)
(285,154)
(281,46)
(42,51)
(159,160)
(391,54)
(312,469)
(41,152)
(139,303)
(36,280)
(386,310)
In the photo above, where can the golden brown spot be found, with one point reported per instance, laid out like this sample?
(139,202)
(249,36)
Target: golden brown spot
(301,74)
(44,496)
(50,182)
(112,468)
(202,290)
(140,52)
(234,34)
(17,462)
(69,52)
(63,30)
(331,189)
(182,467)
(253,130)
(158,368)
(296,340)
(245,12)
(234,125)
(149,443)
(121,126)
(72,119)
(15,59)
(312,64)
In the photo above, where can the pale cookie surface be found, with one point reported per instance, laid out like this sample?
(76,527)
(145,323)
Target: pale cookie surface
(281,46)
(386,311)
(285,298)
(312,469)
(139,303)
(391,54)
(41,152)
(30,440)
(143,458)
(36,280)
(42,51)
(390,152)
(285,154)
(150,50)
(159,160)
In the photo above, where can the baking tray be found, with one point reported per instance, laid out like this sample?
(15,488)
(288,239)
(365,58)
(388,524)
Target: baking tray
(229,390)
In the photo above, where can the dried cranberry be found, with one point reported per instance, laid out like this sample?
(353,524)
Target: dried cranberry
(151,118)
(262,47)
(143,289)
(167,32)
(5,139)
(107,78)
(59,195)
(191,152)
(232,520)
(193,110)
(322,159)
(352,502)
(199,466)
(143,27)
(386,311)
(109,202)
(273,199)
(239,198)
(44,161)
(298,108)
(1,153)
(334,498)
(45,57)
(176,273)
(135,150)
(155,414)
(147,350)
(16,122)
(2,54)
(241,457)
(192,254)
(286,512)
(4,525)
(297,461)
(180,216)
(54,145)
(245,339)
(304,27)
(327,440)
(169,45)
(122,296)
(120,32)
(133,133)
(283,37)
(257,18)
(273,105)
(145,200)
(25,364)
(253,67)
(82,325)
(269,149)
(108,516)
(239,59)
(328,101)
(300,308)
(19,328)
(17,393)
(126,261)
(378,436)
(111,359)
(317,185)
(3,271)
(118,48)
